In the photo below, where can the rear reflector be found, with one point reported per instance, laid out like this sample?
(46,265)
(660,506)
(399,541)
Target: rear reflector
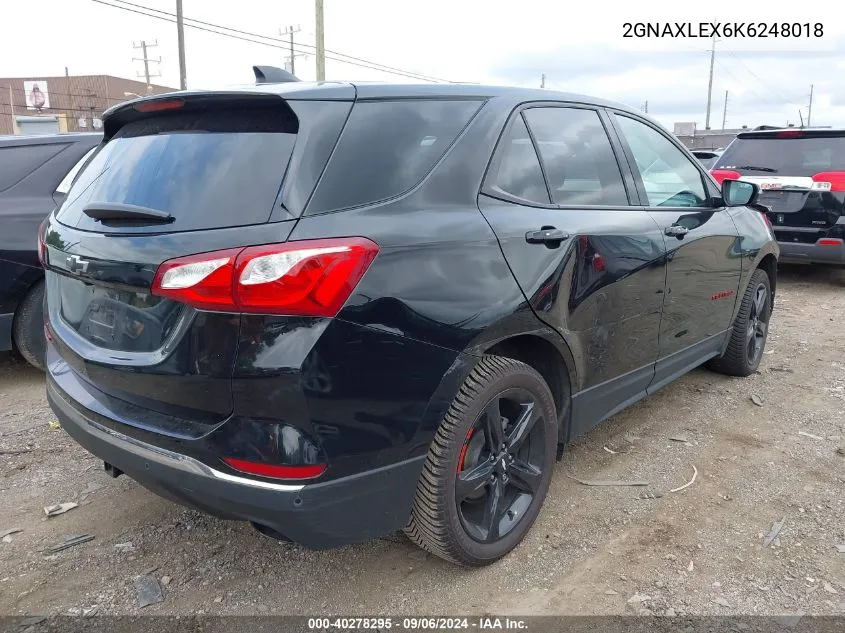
(307,278)
(827,241)
(308,471)
(159,106)
(836,180)
(725,174)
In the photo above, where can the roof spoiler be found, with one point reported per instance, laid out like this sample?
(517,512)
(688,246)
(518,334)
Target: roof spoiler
(272,75)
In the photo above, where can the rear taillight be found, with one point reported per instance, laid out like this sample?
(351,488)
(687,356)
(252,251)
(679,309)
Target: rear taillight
(829,241)
(725,174)
(309,278)
(160,105)
(836,180)
(42,243)
(307,471)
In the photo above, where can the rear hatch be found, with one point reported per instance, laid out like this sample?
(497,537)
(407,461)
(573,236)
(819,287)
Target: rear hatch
(174,177)
(801,174)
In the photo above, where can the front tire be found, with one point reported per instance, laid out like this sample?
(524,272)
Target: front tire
(28,328)
(750,330)
(489,466)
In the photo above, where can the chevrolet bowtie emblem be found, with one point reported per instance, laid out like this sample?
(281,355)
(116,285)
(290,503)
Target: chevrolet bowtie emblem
(76,264)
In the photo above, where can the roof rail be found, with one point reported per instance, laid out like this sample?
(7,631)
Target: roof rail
(272,75)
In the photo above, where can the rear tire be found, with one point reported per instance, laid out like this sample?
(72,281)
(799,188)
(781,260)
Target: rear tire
(750,330)
(28,327)
(489,466)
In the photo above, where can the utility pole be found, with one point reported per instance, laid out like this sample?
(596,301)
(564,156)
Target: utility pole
(292,57)
(143,45)
(810,110)
(645,107)
(710,84)
(543,80)
(12,110)
(321,41)
(180,34)
(725,110)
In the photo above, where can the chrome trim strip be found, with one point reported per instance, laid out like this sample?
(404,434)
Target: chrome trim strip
(183,462)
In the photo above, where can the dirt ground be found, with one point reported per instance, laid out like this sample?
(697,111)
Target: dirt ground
(593,551)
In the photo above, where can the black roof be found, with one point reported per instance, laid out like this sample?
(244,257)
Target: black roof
(347,91)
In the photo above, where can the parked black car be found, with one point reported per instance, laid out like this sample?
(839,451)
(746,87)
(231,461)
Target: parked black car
(707,157)
(801,174)
(35,175)
(339,310)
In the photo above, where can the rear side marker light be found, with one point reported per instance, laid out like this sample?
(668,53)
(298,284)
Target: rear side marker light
(308,471)
(829,181)
(307,278)
(826,241)
(725,174)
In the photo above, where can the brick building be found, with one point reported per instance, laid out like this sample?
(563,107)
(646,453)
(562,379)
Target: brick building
(75,103)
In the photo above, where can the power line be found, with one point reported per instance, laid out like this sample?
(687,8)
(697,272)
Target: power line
(247,36)
(735,78)
(760,81)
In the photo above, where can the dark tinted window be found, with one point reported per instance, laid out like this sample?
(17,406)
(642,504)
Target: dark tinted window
(787,156)
(386,148)
(516,170)
(577,156)
(16,163)
(207,169)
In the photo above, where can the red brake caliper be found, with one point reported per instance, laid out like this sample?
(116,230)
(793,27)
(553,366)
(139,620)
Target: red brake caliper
(464,450)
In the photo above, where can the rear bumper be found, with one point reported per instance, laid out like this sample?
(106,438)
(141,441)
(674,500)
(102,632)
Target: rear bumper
(319,515)
(794,252)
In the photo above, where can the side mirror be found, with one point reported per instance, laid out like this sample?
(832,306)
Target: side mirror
(738,193)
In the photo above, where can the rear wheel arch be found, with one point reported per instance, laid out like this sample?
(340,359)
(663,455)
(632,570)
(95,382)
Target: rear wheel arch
(548,360)
(769,263)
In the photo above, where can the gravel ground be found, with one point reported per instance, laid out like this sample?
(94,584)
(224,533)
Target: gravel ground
(593,551)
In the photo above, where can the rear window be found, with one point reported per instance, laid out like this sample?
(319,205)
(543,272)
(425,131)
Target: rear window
(207,169)
(387,148)
(795,156)
(16,163)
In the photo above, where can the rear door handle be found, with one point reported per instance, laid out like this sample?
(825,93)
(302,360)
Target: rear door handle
(676,231)
(546,235)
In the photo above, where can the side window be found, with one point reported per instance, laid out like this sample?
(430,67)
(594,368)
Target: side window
(578,158)
(670,178)
(516,170)
(67,181)
(387,148)
(17,162)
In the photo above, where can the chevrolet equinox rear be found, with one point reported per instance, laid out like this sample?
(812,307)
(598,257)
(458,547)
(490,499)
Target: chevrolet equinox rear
(338,310)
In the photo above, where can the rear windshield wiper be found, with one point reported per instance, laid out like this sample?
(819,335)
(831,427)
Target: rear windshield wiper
(115,212)
(755,168)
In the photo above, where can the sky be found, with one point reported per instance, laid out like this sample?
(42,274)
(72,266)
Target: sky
(578,46)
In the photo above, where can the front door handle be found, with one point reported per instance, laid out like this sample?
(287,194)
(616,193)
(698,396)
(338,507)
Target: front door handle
(676,230)
(547,235)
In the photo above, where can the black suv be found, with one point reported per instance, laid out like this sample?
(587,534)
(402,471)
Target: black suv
(801,175)
(338,310)
(35,175)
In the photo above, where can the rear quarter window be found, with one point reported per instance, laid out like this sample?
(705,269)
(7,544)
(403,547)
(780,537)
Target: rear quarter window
(387,148)
(17,162)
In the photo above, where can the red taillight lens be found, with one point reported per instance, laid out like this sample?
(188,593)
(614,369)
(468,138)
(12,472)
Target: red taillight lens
(159,106)
(42,243)
(309,471)
(827,241)
(204,281)
(309,278)
(835,178)
(725,174)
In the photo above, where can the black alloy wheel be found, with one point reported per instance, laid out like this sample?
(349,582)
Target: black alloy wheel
(501,465)
(489,467)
